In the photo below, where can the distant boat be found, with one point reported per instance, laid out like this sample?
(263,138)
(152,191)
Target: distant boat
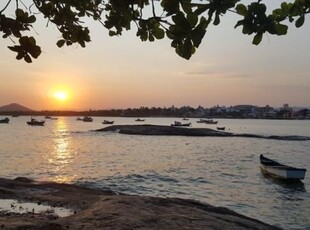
(220,128)
(207,121)
(87,119)
(281,171)
(138,119)
(15,115)
(177,123)
(185,119)
(34,122)
(79,119)
(106,122)
(4,121)
(51,118)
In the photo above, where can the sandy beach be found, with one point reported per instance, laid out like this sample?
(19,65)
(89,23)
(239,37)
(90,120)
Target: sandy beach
(96,209)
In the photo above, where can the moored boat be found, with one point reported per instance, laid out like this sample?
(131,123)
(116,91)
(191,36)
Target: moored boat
(281,171)
(207,121)
(177,123)
(139,119)
(34,122)
(51,118)
(87,119)
(106,122)
(220,128)
(4,121)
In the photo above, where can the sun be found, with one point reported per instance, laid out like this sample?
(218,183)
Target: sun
(61,95)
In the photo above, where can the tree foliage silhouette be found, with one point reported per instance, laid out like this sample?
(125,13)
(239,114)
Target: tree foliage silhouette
(184,22)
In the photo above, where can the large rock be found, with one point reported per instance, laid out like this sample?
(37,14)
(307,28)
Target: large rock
(95,209)
(179,131)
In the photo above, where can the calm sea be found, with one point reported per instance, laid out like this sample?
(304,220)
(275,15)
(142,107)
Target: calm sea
(222,171)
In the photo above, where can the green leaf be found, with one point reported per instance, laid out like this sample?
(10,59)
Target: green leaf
(27,58)
(15,48)
(197,35)
(35,51)
(187,49)
(170,6)
(300,21)
(20,55)
(151,38)
(181,22)
(31,19)
(31,41)
(257,38)
(192,19)
(159,33)
(281,29)
(241,9)
(19,13)
(216,20)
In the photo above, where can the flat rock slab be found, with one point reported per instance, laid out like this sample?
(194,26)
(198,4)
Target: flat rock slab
(95,209)
(182,131)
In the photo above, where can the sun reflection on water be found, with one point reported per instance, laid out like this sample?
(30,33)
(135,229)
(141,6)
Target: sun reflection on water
(61,157)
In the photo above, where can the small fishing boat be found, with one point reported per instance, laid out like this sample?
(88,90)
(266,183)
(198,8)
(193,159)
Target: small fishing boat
(79,119)
(51,118)
(4,121)
(179,124)
(87,119)
(281,171)
(220,128)
(106,122)
(34,122)
(138,119)
(207,121)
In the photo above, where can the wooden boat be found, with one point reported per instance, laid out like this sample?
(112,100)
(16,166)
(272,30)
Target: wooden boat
(281,171)
(138,119)
(4,121)
(207,121)
(87,119)
(51,118)
(179,124)
(34,122)
(106,122)
(220,128)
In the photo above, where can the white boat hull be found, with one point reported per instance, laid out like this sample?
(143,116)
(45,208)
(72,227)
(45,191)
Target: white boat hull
(284,172)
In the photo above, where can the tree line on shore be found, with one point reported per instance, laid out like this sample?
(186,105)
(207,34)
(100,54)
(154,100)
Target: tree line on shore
(240,111)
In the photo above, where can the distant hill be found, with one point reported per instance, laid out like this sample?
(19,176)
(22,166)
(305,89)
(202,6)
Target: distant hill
(14,107)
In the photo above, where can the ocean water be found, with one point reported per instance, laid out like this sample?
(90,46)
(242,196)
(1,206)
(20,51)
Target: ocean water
(222,171)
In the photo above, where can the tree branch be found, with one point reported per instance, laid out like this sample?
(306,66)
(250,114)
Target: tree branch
(6,6)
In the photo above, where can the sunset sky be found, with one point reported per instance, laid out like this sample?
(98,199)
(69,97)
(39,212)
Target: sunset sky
(122,72)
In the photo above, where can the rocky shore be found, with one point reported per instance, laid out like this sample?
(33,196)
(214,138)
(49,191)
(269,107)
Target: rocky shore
(96,209)
(178,131)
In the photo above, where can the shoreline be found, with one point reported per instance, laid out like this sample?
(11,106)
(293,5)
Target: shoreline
(97,209)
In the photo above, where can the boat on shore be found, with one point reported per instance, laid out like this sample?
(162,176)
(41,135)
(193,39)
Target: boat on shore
(34,122)
(5,120)
(179,124)
(207,121)
(281,171)
(106,122)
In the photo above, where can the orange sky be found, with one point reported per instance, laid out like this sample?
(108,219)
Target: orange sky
(124,72)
